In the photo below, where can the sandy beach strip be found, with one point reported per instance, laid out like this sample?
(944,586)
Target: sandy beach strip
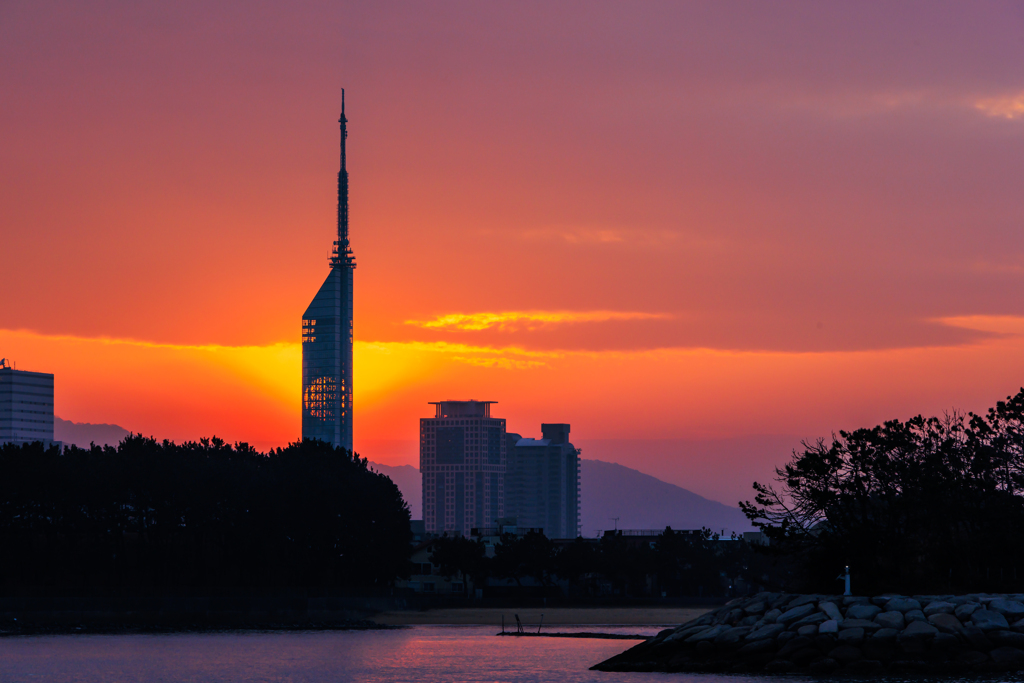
(566,616)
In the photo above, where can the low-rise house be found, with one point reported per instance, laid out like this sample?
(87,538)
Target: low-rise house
(424,576)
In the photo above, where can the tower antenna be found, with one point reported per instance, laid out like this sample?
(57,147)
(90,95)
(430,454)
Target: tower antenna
(342,253)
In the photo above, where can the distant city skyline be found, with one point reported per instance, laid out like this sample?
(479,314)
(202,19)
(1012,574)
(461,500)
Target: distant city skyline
(674,224)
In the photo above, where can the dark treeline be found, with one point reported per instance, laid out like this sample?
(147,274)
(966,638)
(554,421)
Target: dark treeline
(197,515)
(673,563)
(924,506)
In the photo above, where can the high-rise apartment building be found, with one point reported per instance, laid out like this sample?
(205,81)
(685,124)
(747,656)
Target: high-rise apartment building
(327,333)
(26,406)
(542,482)
(462,462)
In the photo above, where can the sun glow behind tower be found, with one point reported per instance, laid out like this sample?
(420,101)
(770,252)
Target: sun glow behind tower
(327,334)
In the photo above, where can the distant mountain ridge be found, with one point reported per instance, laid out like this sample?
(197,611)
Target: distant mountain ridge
(640,501)
(608,491)
(82,434)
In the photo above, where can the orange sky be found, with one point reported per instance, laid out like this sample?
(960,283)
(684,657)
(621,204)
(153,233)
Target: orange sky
(668,221)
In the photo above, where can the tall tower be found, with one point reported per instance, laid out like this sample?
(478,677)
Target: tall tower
(327,334)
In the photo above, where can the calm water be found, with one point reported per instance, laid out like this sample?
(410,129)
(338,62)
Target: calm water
(422,654)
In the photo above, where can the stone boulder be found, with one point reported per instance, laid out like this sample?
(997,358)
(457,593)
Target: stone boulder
(851,635)
(915,615)
(987,620)
(938,607)
(894,620)
(869,626)
(1007,655)
(845,654)
(977,638)
(794,646)
(902,605)
(802,600)
(964,611)
(732,635)
(814,619)
(1011,609)
(862,611)
(831,611)
(756,607)
(823,667)
(708,633)
(946,622)
(885,634)
(830,626)
(768,631)
(757,647)
(916,632)
(794,614)
(1006,638)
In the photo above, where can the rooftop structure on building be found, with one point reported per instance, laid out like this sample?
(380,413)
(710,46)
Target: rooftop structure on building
(327,334)
(542,482)
(26,405)
(462,462)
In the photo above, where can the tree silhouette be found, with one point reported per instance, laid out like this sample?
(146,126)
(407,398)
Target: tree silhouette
(923,505)
(198,514)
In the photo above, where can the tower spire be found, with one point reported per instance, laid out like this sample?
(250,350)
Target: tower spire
(342,253)
(327,334)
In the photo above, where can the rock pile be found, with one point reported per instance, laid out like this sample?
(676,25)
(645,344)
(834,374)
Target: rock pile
(821,635)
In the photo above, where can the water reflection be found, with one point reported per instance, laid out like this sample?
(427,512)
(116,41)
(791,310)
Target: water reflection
(423,654)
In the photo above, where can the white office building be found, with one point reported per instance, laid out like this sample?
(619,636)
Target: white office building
(26,405)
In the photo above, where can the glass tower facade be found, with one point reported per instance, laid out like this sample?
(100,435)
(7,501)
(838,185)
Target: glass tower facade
(327,331)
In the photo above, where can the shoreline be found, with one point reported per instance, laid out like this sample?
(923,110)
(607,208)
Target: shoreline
(8,630)
(156,621)
(553,616)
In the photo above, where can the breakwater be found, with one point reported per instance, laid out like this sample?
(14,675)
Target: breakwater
(780,633)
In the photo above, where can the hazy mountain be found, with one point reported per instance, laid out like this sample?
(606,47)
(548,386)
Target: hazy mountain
(81,434)
(720,469)
(608,490)
(408,480)
(640,501)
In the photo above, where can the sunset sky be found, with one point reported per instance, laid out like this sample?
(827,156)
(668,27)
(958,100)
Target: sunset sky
(698,232)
